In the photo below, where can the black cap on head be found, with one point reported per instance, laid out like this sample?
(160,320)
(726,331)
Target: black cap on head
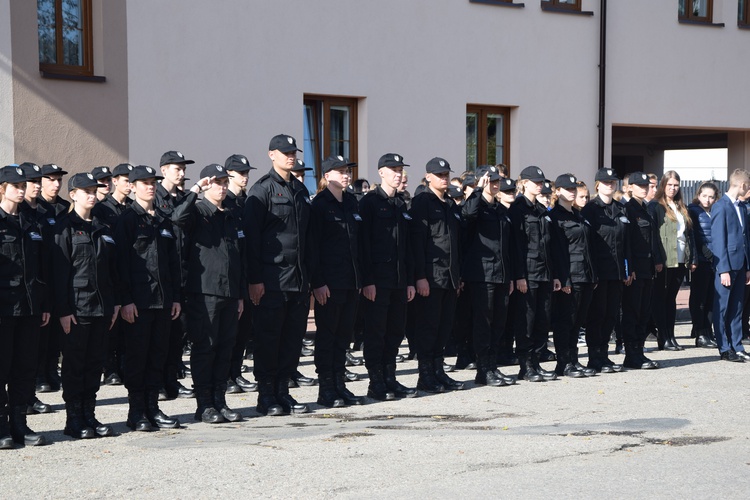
(141,172)
(547,187)
(491,170)
(284,143)
(606,174)
(391,160)
(122,169)
(454,192)
(32,171)
(100,173)
(238,163)
(174,157)
(214,170)
(82,181)
(532,173)
(566,181)
(334,162)
(299,166)
(639,179)
(52,169)
(438,166)
(507,184)
(12,174)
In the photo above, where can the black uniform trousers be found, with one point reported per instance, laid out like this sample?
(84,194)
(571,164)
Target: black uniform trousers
(146,342)
(569,311)
(279,325)
(533,318)
(334,322)
(244,334)
(433,321)
(489,312)
(115,349)
(461,335)
(173,364)
(701,298)
(84,353)
(49,348)
(19,345)
(666,286)
(385,326)
(212,328)
(636,310)
(604,313)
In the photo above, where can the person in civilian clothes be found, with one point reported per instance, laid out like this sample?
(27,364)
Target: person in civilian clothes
(149,274)
(702,279)
(84,286)
(577,276)
(610,255)
(22,309)
(277,215)
(387,276)
(645,262)
(486,271)
(215,289)
(731,250)
(535,275)
(435,238)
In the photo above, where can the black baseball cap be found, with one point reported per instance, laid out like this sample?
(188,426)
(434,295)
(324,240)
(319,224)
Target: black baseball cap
(12,174)
(507,184)
(284,143)
(82,181)
(639,179)
(214,170)
(100,173)
(391,160)
(141,172)
(494,173)
(52,169)
(175,157)
(454,192)
(238,163)
(532,173)
(438,166)
(334,162)
(566,181)
(606,174)
(122,169)
(32,171)
(299,166)
(547,187)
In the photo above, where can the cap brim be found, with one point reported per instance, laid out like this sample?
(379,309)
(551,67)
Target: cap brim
(289,150)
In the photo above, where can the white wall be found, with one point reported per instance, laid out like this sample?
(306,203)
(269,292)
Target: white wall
(6,86)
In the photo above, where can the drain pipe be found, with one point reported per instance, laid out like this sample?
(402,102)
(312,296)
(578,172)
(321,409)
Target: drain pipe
(602,75)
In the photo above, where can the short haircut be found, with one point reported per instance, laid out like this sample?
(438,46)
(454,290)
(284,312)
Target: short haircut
(738,177)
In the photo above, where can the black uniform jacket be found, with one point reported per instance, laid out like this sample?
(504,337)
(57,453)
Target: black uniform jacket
(55,210)
(385,248)
(23,284)
(235,204)
(334,245)
(574,242)
(85,267)
(611,238)
(435,240)
(644,241)
(147,259)
(215,257)
(109,209)
(173,207)
(532,233)
(489,255)
(277,216)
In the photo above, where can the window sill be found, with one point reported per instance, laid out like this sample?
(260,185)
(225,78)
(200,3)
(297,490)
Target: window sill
(701,23)
(743,26)
(558,10)
(499,3)
(78,78)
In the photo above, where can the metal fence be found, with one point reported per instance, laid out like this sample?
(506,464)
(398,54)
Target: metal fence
(690,189)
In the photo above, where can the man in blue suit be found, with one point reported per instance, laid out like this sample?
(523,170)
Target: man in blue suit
(731,249)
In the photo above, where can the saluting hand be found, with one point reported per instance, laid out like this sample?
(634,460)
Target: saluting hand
(129,313)
(65,322)
(321,294)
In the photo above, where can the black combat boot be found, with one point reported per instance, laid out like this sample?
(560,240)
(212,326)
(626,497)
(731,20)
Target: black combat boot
(220,403)
(644,359)
(20,431)
(267,404)
(36,407)
(443,378)
(287,402)
(574,359)
(327,395)
(157,417)
(377,388)
(596,361)
(339,381)
(635,359)
(527,371)
(427,381)
(89,415)
(75,425)
(137,420)
(206,412)
(6,441)
(486,374)
(393,385)
(547,375)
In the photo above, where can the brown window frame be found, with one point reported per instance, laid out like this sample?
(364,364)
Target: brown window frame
(482,111)
(556,5)
(690,17)
(743,22)
(87,68)
(322,104)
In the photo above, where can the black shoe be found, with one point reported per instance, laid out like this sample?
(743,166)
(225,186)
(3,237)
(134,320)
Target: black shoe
(161,420)
(112,379)
(43,386)
(677,346)
(298,380)
(230,415)
(75,425)
(351,376)
(668,346)
(547,355)
(744,356)
(427,381)
(306,351)
(705,341)
(394,386)
(185,373)
(290,405)
(447,382)
(267,405)
(20,432)
(377,389)
(568,370)
(89,415)
(546,374)
(731,356)
(177,391)
(529,374)
(308,342)
(38,407)
(506,378)
(447,368)
(586,371)
(246,385)
(488,377)
(232,388)
(465,363)
(208,415)
(352,360)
